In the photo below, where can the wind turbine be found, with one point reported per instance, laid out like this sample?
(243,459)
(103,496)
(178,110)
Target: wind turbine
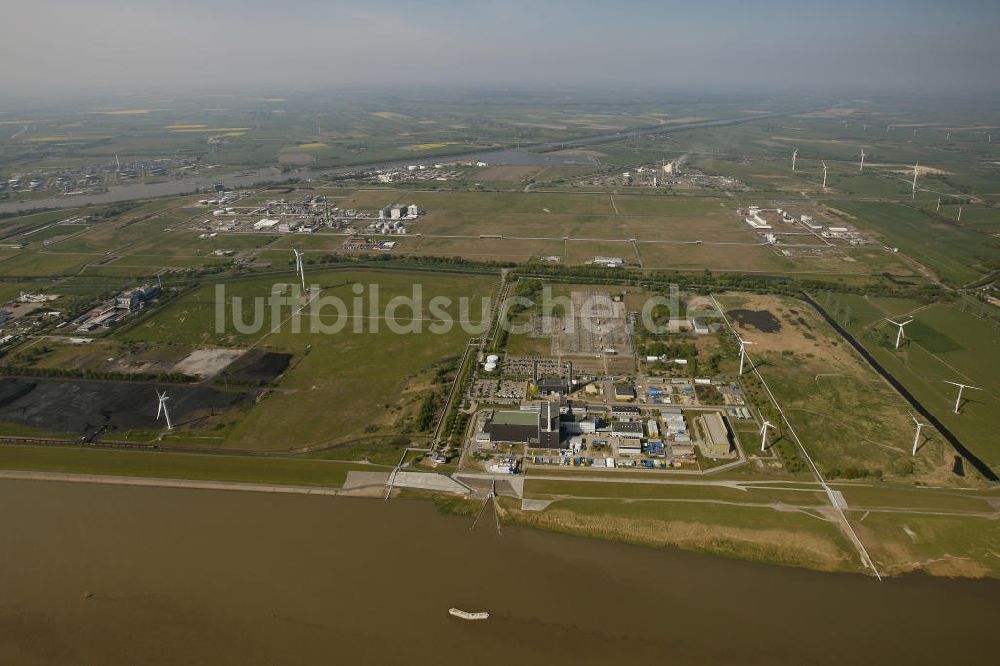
(862,169)
(959,218)
(913,189)
(743,351)
(162,409)
(824,176)
(961,387)
(795,153)
(763,434)
(916,438)
(899,336)
(938,205)
(299,269)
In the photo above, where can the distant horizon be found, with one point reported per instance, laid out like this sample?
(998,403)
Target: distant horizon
(95,99)
(892,47)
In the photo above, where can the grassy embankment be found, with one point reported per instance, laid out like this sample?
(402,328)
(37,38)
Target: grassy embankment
(163,465)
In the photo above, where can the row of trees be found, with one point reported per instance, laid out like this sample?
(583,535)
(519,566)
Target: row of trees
(31,371)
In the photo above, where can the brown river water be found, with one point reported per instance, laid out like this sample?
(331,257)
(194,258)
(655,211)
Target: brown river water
(95,574)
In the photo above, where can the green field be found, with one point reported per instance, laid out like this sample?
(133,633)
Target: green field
(955,253)
(848,418)
(334,377)
(945,342)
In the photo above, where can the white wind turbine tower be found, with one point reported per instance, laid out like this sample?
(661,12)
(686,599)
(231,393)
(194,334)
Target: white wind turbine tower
(913,189)
(899,335)
(959,218)
(743,351)
(916,438)
(795,153)
(300,270)
(162,409)
(961,387)
(862,169)
(824,176)
(763,433)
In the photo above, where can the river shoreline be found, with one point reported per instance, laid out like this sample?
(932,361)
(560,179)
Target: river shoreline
(510,513)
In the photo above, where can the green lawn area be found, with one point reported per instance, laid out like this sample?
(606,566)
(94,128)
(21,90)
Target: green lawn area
(39,263)
(544,488)
(882,496)
(946,545)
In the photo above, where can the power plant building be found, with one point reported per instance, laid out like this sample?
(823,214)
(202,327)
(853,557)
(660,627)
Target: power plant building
(536,428)
(133,299)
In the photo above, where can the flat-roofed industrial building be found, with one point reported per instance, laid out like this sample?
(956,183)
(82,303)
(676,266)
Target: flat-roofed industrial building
(537,428)
(717,441)
(627,429)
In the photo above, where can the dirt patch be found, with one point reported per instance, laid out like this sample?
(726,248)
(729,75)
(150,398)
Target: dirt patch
(507,173)
(257,366)
(762,320)
(578,152)
(295,157)
(205,363)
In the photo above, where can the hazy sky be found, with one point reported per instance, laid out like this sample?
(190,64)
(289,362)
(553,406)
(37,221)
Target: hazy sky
(897,45)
